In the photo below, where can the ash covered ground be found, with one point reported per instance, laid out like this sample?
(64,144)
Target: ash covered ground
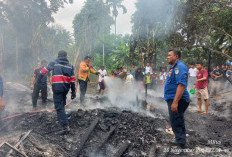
(102,129)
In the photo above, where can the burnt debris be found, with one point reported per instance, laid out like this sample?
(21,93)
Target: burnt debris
(96,133)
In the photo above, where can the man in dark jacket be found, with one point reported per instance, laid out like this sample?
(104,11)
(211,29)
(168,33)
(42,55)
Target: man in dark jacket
(42,86)
(139,75)
(62,79)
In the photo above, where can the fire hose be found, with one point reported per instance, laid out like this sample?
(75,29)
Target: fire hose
(30,112)
(52,110)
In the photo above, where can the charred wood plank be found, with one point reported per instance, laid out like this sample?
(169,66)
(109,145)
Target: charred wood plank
(105,139)
(36,145)
(22,148)
(23,138)
(86,136)
(19,142)
(122,149)
(15,149)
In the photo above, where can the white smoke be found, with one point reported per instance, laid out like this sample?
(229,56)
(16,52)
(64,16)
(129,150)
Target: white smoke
(129,97)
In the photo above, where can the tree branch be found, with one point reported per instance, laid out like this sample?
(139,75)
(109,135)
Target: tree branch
(222,30)
(218,52)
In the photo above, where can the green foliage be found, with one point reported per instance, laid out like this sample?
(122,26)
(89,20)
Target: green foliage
(118,54)
(115,5)
(203,23)
(54,39)
(26,21)
(151,30)
(184,24)
(90,25)
(158,25)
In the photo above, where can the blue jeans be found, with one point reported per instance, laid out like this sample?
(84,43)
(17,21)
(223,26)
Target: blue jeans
(177,120)
(59,102)
(83,88)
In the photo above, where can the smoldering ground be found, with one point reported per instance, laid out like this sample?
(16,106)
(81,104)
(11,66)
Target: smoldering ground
(117,108)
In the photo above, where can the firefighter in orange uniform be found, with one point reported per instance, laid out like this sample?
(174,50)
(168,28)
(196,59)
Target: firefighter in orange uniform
(83,74)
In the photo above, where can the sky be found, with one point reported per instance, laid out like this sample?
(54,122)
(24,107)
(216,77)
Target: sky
(66,15)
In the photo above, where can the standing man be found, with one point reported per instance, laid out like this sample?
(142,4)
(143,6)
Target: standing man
(224,78)
(163,67)
(154,77)
(133,69)
(40,87)
(83,74)
(100,77)
(201,87)
(217,74)
(218,78)
(62,80)
(162,77)
(2,104)
(192,75)
(229,76)
(148,68)
(177,96)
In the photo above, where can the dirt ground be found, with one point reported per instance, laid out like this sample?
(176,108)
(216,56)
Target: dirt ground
(101,129)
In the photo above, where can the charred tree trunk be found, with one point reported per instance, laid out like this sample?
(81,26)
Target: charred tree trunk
(115,23)
(16,55)
(154,56)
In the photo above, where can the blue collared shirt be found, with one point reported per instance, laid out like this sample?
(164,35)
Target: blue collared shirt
(178,74)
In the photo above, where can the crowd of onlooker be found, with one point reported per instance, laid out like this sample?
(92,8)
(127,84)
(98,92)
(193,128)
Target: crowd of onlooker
(202,82)
(219,77)
(147,76)
(154,78)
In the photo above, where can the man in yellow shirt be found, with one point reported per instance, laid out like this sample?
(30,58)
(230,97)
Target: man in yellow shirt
(147,81)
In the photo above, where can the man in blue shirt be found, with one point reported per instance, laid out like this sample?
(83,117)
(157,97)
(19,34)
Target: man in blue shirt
(177,96)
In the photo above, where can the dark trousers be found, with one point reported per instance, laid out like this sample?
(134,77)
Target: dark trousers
(177,120)
(59,102)
(83,88)
(35,95)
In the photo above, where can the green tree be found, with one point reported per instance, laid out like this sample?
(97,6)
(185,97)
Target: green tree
(115,5)
(54,39)
(117,52)
(194,27)
(90,25)
(202,26)
(26,20)
(151,28)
